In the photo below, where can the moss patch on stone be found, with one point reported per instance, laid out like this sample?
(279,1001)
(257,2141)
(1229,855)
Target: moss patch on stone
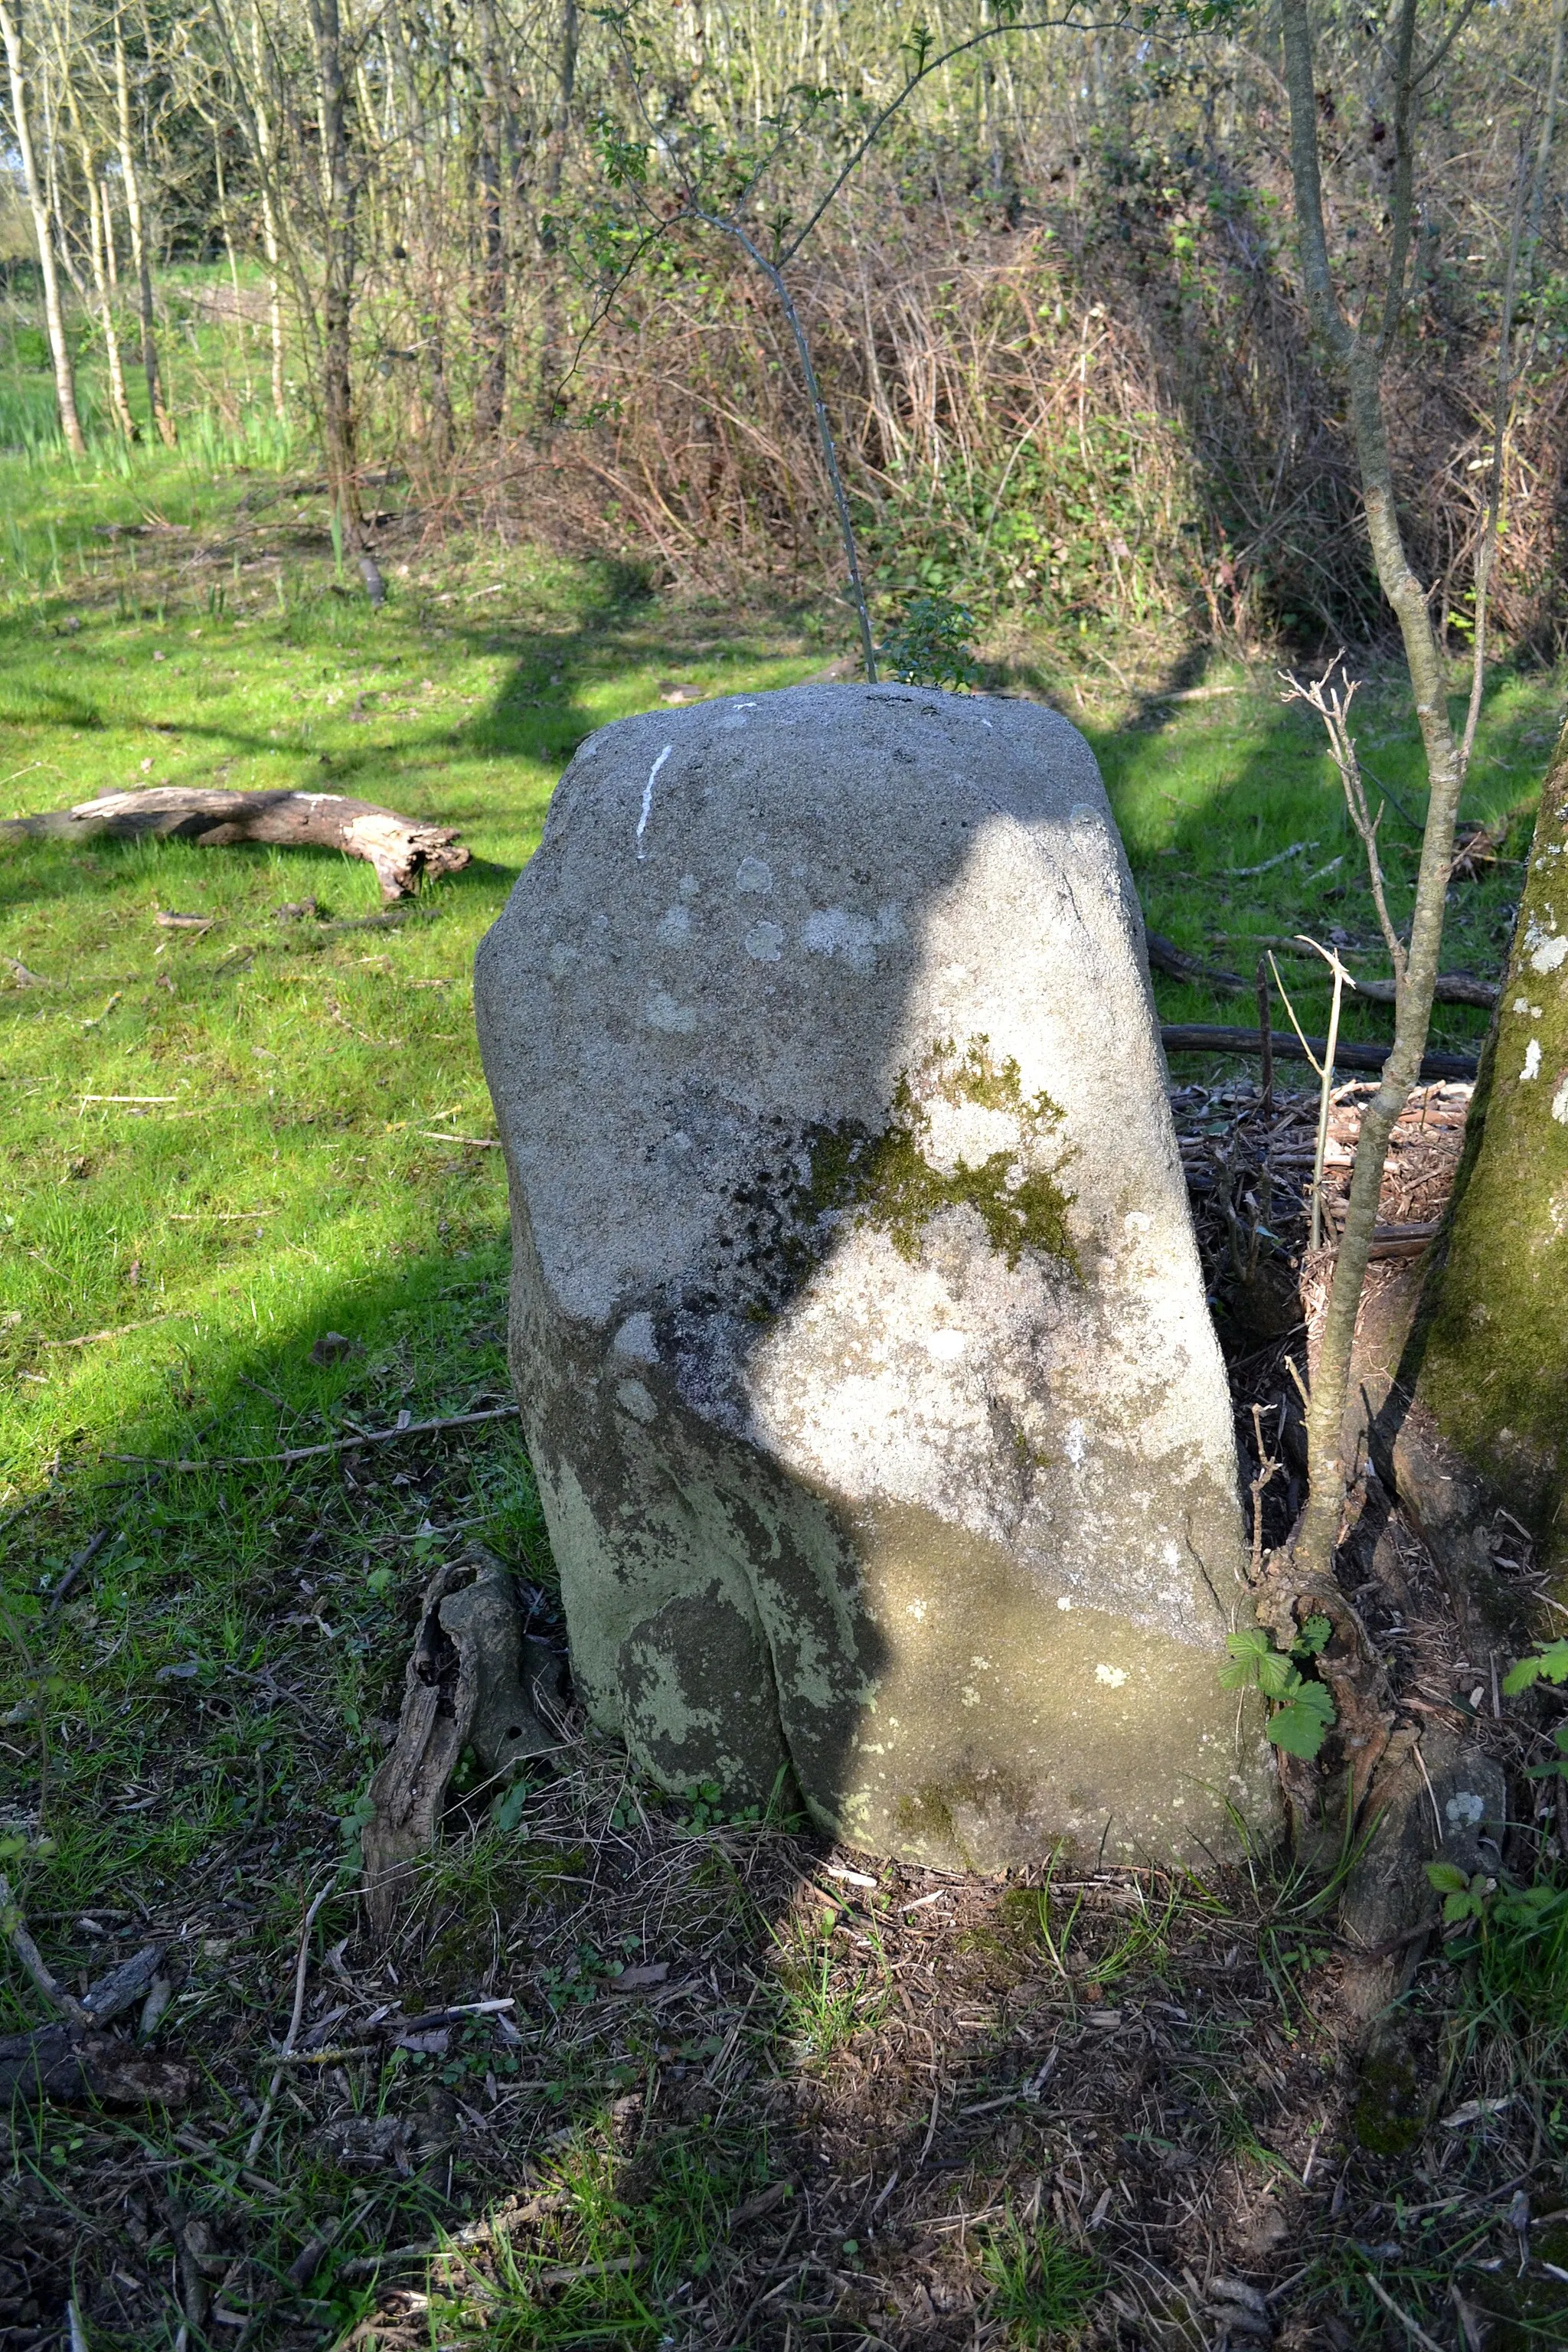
(891,1182)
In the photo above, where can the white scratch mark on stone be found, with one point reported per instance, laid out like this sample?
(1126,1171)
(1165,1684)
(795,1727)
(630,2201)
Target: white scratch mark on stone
(1075,1445)
(1113,1676)
(1532,1059)
(1560,1105)
(647,797)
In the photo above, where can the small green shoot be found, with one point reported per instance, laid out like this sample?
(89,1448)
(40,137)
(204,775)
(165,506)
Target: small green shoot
(1464,1896)
(825,2003)
(1042,2286)
(507,1809)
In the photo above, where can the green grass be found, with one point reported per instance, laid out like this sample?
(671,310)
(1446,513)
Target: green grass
(639,2234)
(1043,2286)
(1202,790)
(825,2005)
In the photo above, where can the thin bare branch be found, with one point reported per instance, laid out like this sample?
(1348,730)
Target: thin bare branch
(1332,704)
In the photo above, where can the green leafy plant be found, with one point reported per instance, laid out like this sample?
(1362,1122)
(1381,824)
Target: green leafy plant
(1465,1896)
(1302,1710)
(509,1805)
(1549,1662)
(930,644)
(1557,1769)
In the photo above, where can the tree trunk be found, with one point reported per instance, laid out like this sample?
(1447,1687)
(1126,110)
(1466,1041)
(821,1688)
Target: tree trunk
(100,253)
(54,317)
(443,423)
(1486,1370)
(111,260)
(140,260)
(338,200)
(555,162)
(1362,352)
(274,301)
(100,231)
(490,393)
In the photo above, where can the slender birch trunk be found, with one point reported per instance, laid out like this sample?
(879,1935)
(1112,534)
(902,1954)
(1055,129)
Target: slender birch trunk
(267,162)
(54,316)
(99,233)
(554,163)
(140,260)
(490,393)
(1362,352)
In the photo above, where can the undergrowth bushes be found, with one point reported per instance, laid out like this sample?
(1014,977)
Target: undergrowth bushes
(1081,392)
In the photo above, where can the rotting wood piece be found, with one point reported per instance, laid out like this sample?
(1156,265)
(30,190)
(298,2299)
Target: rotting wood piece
(473,1679)
(72,2058)
(403,850)
(57,2061)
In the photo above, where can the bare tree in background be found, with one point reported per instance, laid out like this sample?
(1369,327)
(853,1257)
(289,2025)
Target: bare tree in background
(490,307)
(141,258)
(100,223)
(38,205)
(340,203)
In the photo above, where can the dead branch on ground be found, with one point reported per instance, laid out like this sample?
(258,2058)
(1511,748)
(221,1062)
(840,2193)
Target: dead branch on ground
(404,850)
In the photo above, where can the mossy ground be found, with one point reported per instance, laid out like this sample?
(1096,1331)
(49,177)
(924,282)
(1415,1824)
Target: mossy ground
(191,1719)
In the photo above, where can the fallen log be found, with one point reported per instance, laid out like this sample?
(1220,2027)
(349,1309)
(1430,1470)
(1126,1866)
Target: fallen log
(1206,1037)
(403,849)
(1165,956)
(1450,987)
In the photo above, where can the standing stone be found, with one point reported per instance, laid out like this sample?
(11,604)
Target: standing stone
(857,1320)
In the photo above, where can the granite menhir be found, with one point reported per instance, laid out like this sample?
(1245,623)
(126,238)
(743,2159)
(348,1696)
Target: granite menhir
(857,1321)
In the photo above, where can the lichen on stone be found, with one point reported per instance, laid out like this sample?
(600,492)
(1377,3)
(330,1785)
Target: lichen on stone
(891,1182)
